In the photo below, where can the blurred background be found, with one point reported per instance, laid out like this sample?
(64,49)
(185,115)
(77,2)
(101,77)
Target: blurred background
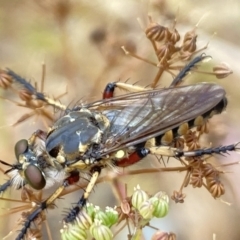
(80,44)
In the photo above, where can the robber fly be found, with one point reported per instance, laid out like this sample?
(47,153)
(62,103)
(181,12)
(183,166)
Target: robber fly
(116,131)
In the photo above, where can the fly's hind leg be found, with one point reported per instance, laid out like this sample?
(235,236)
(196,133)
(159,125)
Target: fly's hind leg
(174,152)
(110,88)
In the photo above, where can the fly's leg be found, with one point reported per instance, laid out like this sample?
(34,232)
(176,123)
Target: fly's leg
(48,202)
(72,215)
(38,134)
(179,78)
(5,186)
(174,152)
(73,178)
(110,88)
(38,95)
(141,152)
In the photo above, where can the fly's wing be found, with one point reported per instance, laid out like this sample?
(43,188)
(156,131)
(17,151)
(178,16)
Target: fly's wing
(138,117)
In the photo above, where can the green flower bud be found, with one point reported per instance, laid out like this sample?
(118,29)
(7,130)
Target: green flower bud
(73,232)
(102,216)
(138,197)
(90,209)
(146,210)
(112,215)
(162,195)
(100,232)
(83,220)
(160,207)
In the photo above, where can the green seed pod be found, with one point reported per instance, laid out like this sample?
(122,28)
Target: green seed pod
(73,232)
(162,195)
(90,209)
(112,215)
(100,232)
(102,216)
(160,207)
(146,210)
(138,197)
(83,220)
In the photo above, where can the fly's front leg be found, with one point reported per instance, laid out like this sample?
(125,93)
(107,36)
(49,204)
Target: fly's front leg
(72,215)
(73,178)
(38,134)
(5,186)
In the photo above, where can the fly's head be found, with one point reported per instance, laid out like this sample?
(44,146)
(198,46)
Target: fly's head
(28,165)
(75,138)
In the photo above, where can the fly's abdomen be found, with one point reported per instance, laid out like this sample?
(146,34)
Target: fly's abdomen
(168,137)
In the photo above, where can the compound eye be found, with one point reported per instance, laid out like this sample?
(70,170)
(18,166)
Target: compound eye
(21,147)
(34,177)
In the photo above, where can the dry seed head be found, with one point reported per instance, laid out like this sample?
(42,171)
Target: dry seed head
(195,162)
(185,55)
(179,143)
(209,170)
(189,41)
(166,51)
(190,45)
(5,80)
(178,197)
(197,177)
(215,187)
(159,235)
(156,32)
(222,70)
(25,95)
(174,36)
(34,234)
(191,140)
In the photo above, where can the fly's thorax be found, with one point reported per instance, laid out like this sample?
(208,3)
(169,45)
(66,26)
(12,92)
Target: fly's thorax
(75,136)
